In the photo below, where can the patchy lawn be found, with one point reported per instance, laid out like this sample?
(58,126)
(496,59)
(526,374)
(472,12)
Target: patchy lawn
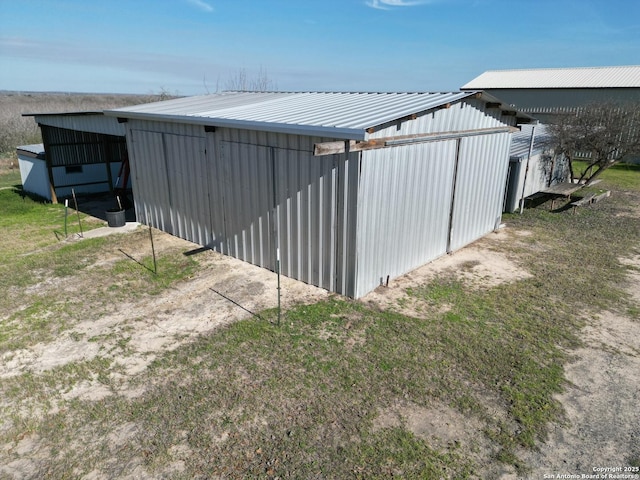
(458,370)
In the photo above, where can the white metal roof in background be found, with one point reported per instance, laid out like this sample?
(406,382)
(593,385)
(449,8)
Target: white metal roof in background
(583,77)
(340,115)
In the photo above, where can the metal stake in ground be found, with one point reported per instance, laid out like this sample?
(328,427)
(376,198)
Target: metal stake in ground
(75,202)
(278,271)
(66,214)
(153,248)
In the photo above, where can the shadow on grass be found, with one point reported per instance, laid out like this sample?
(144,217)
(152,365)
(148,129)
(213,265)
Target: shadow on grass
(137,261)
(18,190)
(565,207)
(236,303)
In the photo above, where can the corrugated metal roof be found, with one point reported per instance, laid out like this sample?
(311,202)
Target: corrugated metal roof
(339,115)
(520,141)
(36,149)
(583,77)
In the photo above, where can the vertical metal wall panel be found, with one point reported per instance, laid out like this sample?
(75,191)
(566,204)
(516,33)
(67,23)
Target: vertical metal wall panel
(343,222)
(96,123)
(480,185)
(215,203)
(149,179)
(306,209)
(315,205)
(248,202)
(188,187)
(347,223)
(403,209)
(470,114)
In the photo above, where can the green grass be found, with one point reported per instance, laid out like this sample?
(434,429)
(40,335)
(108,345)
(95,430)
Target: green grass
(11,178)
(623,176)
(142,275)
(33,254)
(28,225)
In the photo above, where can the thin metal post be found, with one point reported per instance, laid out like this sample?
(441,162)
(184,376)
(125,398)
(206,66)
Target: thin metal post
(278,272)
(66,214)
(75,202)
(526,171)
(153,248)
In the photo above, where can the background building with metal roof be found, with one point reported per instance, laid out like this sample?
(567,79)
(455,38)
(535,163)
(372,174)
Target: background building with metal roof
(544,92)
(352,189)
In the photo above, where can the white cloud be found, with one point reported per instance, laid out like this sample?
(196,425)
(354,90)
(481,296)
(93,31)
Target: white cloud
(202,5)
(389,4)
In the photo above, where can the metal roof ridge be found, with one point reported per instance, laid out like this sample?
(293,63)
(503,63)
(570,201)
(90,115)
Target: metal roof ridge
(599,67)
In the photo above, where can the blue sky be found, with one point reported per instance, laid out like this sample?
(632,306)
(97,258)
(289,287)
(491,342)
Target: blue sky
(198,46)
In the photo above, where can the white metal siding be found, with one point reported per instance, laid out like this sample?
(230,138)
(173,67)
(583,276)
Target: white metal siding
(470,114)
(403,209)
(306,199)
(347,223)
(94,174)
(149,179)
(187,180)
(244,199)
(97,123)
(343,222)
(248,203)
(35,178)
(480,182)
(539,177)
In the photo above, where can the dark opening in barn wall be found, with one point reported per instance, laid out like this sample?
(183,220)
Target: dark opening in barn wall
(99,156)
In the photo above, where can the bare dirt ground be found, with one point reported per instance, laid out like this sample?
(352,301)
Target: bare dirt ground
(601,403)
(229,290)
(602,400)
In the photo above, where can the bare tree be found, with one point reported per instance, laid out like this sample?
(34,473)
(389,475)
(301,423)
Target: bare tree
(240,81)
(601,133)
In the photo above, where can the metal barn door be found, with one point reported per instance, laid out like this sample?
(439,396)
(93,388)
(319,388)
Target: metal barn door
(306,205)
(481,173)
(278,198)
(187,179)
(404,207)
(149,179)
(248,197)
